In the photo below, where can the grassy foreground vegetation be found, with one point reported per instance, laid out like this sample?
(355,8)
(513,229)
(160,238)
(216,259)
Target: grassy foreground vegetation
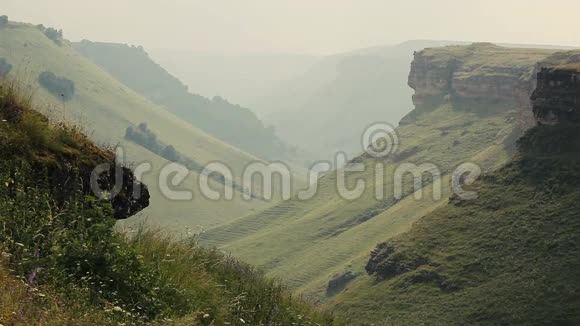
(63,263)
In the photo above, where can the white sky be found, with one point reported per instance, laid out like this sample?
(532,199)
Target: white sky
(302,26)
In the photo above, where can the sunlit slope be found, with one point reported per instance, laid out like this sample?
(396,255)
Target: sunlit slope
(106,108)
(307,242)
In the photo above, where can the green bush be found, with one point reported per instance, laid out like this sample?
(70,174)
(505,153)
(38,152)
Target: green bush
(3,20)
(145,137)
(58,86)
(54,34)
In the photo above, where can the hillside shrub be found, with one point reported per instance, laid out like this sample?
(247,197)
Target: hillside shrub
(145,137)
(53,34)
(170,154)
(60,87)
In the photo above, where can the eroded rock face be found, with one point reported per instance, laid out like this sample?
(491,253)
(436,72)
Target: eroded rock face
(557,96)
(498,84)
(463,72)
(430,78)
(525,115)
(386,261)
(490,74)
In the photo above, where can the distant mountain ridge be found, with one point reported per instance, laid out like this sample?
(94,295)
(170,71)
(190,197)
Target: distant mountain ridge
(342,94)
(106,107)
(231,123)
(300,95)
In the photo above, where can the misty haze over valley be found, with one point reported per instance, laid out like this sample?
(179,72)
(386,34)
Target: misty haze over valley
(289,163)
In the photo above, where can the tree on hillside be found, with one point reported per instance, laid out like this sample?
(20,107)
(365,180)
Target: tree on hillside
(58,86)
(54,34)
(143,127)
(3,20)
(170,154)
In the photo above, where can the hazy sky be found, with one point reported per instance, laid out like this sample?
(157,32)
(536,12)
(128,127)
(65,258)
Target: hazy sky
(302,26)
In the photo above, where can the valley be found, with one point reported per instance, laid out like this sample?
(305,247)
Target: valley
(169,187)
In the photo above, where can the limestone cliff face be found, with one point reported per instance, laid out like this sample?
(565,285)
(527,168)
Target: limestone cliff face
(555,110)
(484,73)
(430,78)
(557,96)
(480,71)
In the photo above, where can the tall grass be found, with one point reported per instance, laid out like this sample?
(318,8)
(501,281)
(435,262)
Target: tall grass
(70,250)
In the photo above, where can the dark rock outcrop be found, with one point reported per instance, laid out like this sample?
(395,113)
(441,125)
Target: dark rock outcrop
(387,261)
(116,184)
(557,96)
(67,170)
(339,283)
(132,196)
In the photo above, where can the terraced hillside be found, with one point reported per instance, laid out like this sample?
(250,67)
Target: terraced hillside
(309,243)
(105,108)
(508,257)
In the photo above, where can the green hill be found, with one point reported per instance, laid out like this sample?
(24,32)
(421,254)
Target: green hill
(309,243)
(231,123)
(63,263)
(508,257)
(106,108)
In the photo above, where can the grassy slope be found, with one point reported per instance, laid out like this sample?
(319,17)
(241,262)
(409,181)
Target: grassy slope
(106,107)
(231,123)
(19,305)
(307,243)
(511,256)
(62,263)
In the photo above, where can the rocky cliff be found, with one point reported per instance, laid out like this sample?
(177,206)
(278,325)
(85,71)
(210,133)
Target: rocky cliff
(481,71)
(506,257)
(557,96)
(488,75)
